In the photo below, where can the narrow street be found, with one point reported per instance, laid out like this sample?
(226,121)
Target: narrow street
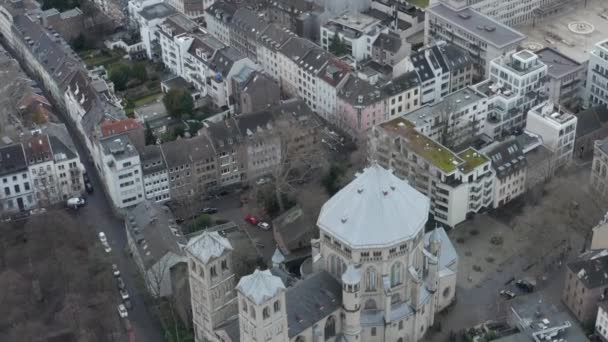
(98,214)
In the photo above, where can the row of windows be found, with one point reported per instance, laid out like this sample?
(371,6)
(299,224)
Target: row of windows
(5,179)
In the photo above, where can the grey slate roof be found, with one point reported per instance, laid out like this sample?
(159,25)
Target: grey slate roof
(310,300)
(507,157)
(185,151)
(119,146)
(248,21)
(223,9)
(355,87)
(402,83)
(152,159)
(59,147)
(12,159)
(224,59)
(59,132)
(152,225)
(253,121)
(590,120)
(591,268)
(296,48)
(455,57)
(478,25)
(388,41)
(274,36)
(296,228)
(557,63)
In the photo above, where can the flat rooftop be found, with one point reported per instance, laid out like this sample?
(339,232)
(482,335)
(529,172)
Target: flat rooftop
(427,148)
(355,21)
(157,11)
(472,159)
(478,25)
(557,63)
(553,32)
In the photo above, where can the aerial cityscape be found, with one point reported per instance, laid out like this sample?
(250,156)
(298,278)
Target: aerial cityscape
(303,170)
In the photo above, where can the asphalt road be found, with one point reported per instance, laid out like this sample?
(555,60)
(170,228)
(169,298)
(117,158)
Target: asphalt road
(98,214)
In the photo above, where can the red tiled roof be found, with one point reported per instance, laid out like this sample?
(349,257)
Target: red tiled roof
(29,99)
(109,128)
(38,148)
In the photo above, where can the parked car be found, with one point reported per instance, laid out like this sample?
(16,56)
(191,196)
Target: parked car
(210,210)
(128,304)
(124,294)
(107,248)
(251,219)
(525,285)
(76,202)
(120,284)
(103,238)
(115,270)
(89,187)
(122,311)
(262,181)
(264,225)
(179,220)
(507,294)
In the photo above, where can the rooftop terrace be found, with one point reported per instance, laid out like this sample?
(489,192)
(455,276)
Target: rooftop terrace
(427,148)
(472,159)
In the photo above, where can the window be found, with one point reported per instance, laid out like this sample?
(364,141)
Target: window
(396,274)
(371,279)
(266,313)
(213,271)
(277,306)
(127,164)
(224,265)
(7,191)
(26,185)
(373,332)
(17,189)
(252,311)
(370,304)
(330,328)
(400,325)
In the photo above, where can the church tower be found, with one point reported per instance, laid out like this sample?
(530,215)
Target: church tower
(262,308)
(351,303)
(212,283)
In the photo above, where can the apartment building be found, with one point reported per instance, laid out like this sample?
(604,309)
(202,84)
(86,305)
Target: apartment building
(155,174)
(515,85)
(55,170)
(263,143)
(512,13)
(565,77)
(218,17)
(457,119)
(596,87)
(245,28)
(458,184)
(402,94)
(148,20)
(229,151)
(121,170)
(360,106)
(175,41)
(556,127)
(510,165)
(193,9)
(225,65)
(356,31)
(329,79)
(442,68)
(482,37)
(270,40)
(256,92)
(403,17)
(599,168)
(17,190)
(585,284)
(290,13)
(389,49)
(289,57)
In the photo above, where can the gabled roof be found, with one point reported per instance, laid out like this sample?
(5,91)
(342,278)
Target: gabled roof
(222,10)
(152,159)
(448,255)
(12,159)
(111,127)
(248,21)
(294,229)
(208,245)
(224,59)
(187,151)
(274,36)
(296,48)
(405,82)
(260,286)
(590,120)
(375,198)
(155,232)
(591,268)
(61,150)
(388,41)
(359,92)
(507,157)
(38,149)
(334,71)
(310,300)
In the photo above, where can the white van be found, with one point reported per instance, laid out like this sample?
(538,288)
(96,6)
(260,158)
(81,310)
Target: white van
(76,202)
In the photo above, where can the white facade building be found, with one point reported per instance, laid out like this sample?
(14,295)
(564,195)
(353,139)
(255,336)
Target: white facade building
(556,127)
(357,32)
(155,174)
(596,88)
(483,37)
(121,170)
(599,169)
(218,17)
(514,86)
(458,184)
(601,322)
(17,190)
(148,20)
(510,165)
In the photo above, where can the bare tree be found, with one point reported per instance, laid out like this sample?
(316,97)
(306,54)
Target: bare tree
(299,155)
(158,274)
(445,110)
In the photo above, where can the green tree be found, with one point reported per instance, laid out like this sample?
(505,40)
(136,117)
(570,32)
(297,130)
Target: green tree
(150,138)
(80,43)
(139,72)
(178,103)
(332,180)
(193,127)
(119,74)
(201,222)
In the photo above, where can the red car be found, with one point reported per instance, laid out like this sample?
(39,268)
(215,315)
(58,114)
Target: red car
(251,219)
